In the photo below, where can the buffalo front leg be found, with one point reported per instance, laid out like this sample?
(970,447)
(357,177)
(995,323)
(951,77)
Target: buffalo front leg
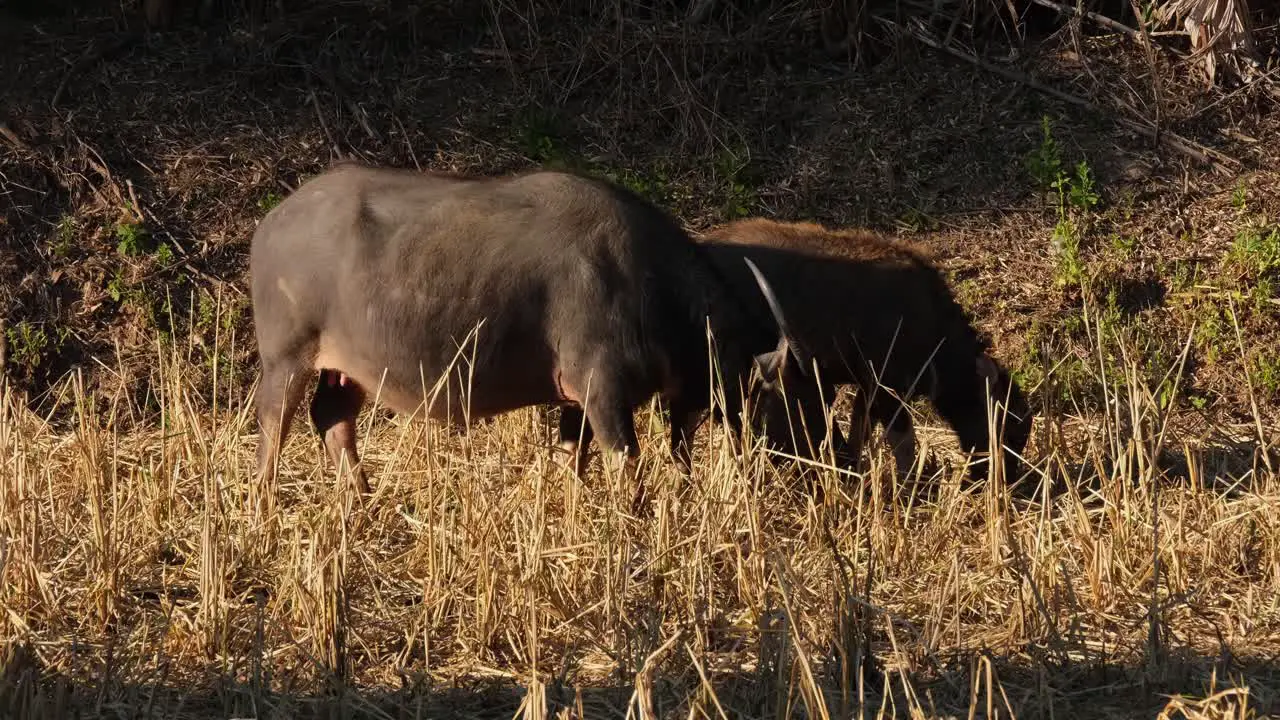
(280,391)
(614,426)
(810,417)
(899,431)
(334,408)
(859,427)
(686,417)
(575,436)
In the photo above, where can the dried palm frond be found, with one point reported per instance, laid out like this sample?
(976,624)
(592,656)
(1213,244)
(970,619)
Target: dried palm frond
(1220,32)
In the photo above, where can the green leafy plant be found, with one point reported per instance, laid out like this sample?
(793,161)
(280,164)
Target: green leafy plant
(1080,191)
(540,136)
(269,201)
(1257,249)
(1124,244)
(652,185)
(27,345)
(1266,373)
(163,254)
(1210,333)
(205,311)
(1066,241)
(1239,196)
(739,196)
(1075,196)
(1045,163)
(132,238)
(117,287)
(64,234)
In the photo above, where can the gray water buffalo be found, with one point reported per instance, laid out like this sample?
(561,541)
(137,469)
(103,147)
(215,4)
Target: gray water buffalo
(544,288)
(873,313)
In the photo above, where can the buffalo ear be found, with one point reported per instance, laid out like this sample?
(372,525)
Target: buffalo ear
(771,365)
(785,343)
(987,368)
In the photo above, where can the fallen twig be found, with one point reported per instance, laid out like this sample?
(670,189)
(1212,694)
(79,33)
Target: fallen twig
(133,197)
(12,137)
(1264,79)
(1220,162)
(362,118)
(333,144)
(95,161)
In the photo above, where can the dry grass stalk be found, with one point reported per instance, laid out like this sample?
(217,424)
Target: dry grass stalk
(122,544)
(136,580)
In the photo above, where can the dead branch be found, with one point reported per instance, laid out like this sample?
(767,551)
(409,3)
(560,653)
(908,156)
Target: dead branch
(1149,46)
(1220,162)
(700,10)
(1102,20)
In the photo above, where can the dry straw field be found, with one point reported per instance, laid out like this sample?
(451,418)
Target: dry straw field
(1131,286)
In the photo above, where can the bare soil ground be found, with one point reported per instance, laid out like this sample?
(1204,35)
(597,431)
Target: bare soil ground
(1139,306)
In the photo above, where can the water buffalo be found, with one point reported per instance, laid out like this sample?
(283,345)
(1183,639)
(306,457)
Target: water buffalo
(534,289)
(876,314)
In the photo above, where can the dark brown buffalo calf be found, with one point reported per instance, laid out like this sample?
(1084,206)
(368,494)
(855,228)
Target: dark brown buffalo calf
(876,314)
(873,313)
(542,288)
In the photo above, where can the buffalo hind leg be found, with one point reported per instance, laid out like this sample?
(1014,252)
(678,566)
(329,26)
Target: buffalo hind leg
(334,408)
(575,436)
(280,392)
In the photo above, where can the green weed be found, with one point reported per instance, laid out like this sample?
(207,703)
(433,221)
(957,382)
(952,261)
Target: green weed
(1123,244)
(917,220)
(1239,196)
(1081,192)
(269,201)
(1265,373)
(132,238)
(739,195)
(653,185)
(64,234)
(117,287)
(1182,275)
(1045,163)
(1075,196)
(1257,249)
(1263,295)
(232,312)
(1211,331)
(163,254)
(206,310)
(28,343)
(1066,241)
(541,138)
